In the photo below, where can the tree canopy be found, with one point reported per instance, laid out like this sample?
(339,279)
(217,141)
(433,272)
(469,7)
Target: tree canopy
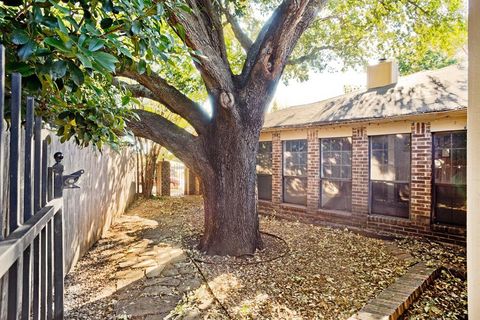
(70,51)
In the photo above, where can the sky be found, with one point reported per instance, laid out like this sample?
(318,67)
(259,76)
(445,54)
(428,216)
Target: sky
(319,87)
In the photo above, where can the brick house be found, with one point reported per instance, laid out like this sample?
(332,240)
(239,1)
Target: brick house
(390,160)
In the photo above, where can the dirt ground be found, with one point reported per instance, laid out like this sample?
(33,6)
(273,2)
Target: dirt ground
(146,267)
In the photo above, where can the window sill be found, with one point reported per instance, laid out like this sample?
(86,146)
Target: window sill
(292,205)
(377,217)
(337,212)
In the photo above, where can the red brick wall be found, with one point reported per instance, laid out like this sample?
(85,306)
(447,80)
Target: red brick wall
(313,160)
(360,177)
(277,169)
(359,220)
(421,174)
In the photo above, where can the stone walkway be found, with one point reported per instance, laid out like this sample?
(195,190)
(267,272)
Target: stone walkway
(146,281)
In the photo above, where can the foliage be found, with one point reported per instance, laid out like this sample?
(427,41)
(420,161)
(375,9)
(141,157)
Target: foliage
(69,51)
(407,64)
(352,32)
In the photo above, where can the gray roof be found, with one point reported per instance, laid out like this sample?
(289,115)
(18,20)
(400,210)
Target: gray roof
(424,92)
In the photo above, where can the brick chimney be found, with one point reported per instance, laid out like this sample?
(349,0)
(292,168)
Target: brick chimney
(384,73)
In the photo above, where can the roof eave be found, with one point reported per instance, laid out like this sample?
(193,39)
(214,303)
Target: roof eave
(413,116)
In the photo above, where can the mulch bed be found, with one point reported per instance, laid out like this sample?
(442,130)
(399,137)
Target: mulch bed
(308,272)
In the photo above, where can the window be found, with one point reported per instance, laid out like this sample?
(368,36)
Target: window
(336,174)
(390,175)
(295,172)
(450,177)
(264,170)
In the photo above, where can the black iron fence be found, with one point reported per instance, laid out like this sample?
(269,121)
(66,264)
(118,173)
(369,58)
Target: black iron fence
(31,222)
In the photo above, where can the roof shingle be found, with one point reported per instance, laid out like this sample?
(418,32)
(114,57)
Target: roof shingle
(424,92)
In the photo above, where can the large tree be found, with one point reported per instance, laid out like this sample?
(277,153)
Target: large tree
(230,50)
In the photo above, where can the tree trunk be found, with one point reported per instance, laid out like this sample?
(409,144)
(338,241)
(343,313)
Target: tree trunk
(149,152)
(229,191)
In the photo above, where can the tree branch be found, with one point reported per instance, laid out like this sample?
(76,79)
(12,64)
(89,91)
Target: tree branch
(169,96)
(182,144)
(313,54)
(204,33)
(241,36)
(269,54)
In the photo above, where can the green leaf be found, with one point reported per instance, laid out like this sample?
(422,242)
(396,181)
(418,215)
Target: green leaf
(81,40)
(106,60)
(160,9)
(20,37)
(59,69)
(142,66)
(27,50)
(56,43)
(84,60)
(95,45)
(136,27)
(124,50)
(76,74)
(181,31)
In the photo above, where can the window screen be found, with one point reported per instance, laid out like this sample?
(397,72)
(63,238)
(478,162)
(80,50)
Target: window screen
(390,175)
(336,174)
(450,175)
(264,170)
(295,172)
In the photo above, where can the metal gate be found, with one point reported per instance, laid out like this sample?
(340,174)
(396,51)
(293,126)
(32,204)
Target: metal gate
(31,222)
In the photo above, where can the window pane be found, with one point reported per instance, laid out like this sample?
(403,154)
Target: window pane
(390,198)
(295,158)
(450,160)
(336,155)
(390,157)
(451,204)
(264,157)
(295,190)
(450,157)
(264,185)
(336,195)
(459,139)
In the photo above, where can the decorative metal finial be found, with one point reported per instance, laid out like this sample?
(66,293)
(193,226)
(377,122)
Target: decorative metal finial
(58,156)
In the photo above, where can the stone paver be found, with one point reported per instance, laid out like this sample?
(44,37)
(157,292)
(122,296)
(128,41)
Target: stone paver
(152,280)
(392,302)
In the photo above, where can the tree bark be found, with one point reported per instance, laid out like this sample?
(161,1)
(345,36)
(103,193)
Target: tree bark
(231,220)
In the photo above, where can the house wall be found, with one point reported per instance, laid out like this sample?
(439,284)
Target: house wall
(418,224)
(473,146)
